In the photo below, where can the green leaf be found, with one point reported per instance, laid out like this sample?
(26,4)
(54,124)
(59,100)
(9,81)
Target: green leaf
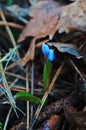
(27,97)
(46,73)
(9,2)
(1,126)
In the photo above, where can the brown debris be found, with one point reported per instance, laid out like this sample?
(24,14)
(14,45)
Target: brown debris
(74,117)
(50,109)
(53,123)
(20,126)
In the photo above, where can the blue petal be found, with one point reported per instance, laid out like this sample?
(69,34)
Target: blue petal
(51,55)
(45,49)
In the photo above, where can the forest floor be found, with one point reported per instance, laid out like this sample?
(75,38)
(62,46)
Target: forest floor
(42,65)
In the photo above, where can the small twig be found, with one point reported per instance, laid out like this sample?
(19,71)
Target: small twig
(3,23)
(32,87)
(17,88)
(77,70)
(9,31)
(13,14)
(27,89)
(11,66)
(15,75)
(7,119)
(6,87)
(9,55)
(82,45)
(14,82)
(46,95)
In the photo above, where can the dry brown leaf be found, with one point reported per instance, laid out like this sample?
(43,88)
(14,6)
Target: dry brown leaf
(66,49)
(73,16)
(42,9)
(48,17)
(44,23)
(39,28)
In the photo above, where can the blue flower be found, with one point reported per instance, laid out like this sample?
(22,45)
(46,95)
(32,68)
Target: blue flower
(51,55)
(48,52)
(45,49)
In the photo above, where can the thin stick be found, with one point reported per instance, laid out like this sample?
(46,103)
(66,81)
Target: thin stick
(46,95)
(6,86)
(82,45)
(32,87)
(9,31)
(27,89)
(77,70)
(7,118)
(17,88)
(13,14)
(13,83)
(15,75)
(3,23)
